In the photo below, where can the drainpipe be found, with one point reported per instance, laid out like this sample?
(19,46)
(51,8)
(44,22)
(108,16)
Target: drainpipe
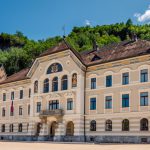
(84,104)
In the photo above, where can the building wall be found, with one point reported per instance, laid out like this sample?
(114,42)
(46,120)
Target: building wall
(134,113)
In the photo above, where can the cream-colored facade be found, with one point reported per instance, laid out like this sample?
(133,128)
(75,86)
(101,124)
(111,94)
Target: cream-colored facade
(34,119)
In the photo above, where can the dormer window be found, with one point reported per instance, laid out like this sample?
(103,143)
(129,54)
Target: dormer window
(95,58)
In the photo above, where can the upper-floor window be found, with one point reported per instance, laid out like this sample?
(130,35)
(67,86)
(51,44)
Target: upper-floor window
(108,102)
(36,86)
(55,84)
(12,108)
(20,110)
(64,83)
(38,107)
(56,67)
(93,125)
(54,104)
(125,100)
(109,81)
(29,109)
(29,92)
(125,78)
(69,104)
(3,112)
(108,125)
(144,75)
(144,98)
(21,94)
(93,83)
(4,96)
(93,103)
(46,86)
(12,95)
(74,80)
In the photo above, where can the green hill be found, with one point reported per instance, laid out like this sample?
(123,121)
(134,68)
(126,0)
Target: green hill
(18,52)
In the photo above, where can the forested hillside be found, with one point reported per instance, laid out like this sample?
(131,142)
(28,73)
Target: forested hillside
(18,52)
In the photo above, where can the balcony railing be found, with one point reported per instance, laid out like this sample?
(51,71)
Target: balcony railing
(56,112)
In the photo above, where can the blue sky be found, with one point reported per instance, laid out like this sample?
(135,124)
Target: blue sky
(39,19)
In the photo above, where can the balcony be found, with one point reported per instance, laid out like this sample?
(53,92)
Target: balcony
(56,112)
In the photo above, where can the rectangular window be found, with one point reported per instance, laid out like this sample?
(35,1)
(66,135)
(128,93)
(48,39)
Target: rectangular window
(93,103)
(38,108)
(21,94)
(53,105)
(3,112)
(109,81)
(144,99)
(12,95)
(20,110)
(108,102)
(125,100)
(93,83)
(28,109)
(29,93)
(4,96)
(69,104)
(125,78)
(144,75)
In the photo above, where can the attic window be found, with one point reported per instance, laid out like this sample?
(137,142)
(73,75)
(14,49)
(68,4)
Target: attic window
(95,58)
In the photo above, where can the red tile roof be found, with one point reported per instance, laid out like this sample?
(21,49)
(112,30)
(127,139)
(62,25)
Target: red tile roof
(21,75)
(112,52)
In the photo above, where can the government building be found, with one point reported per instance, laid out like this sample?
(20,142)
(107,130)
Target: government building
(101,96)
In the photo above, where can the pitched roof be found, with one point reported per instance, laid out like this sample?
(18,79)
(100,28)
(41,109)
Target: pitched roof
(113,52)
(21,75)
(62,46)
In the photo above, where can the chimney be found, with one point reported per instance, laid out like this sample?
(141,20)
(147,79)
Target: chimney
(95,45)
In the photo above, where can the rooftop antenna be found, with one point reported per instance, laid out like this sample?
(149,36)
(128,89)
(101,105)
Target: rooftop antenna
(64,31)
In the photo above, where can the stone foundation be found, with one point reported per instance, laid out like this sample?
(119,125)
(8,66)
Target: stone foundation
(89,139)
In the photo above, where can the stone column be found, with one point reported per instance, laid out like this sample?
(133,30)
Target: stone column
(59,132)
(44,130)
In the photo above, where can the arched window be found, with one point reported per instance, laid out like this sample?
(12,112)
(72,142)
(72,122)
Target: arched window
(11,128)
(36,86)
(46,86)
(55,84)
(93,125)
(64,83)
(144,124)
(125,125)
(108,125)
(56,67)
(20,127)
(74,80)
(3,128)
(70,129)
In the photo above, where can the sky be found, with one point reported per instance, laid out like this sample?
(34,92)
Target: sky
(40,19)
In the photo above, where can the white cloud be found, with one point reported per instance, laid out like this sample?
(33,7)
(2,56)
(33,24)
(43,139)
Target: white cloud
(87,22)
(143,17)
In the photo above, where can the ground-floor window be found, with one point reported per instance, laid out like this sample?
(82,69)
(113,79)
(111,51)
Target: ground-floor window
(20,127)
(93,125)
(3,128)
(108,125)
(125,125)
(144,124)
(11,128)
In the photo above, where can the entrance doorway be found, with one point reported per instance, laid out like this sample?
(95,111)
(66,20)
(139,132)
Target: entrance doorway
(53,128)
(39,125)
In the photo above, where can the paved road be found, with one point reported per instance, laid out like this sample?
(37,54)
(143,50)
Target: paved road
(57,146)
